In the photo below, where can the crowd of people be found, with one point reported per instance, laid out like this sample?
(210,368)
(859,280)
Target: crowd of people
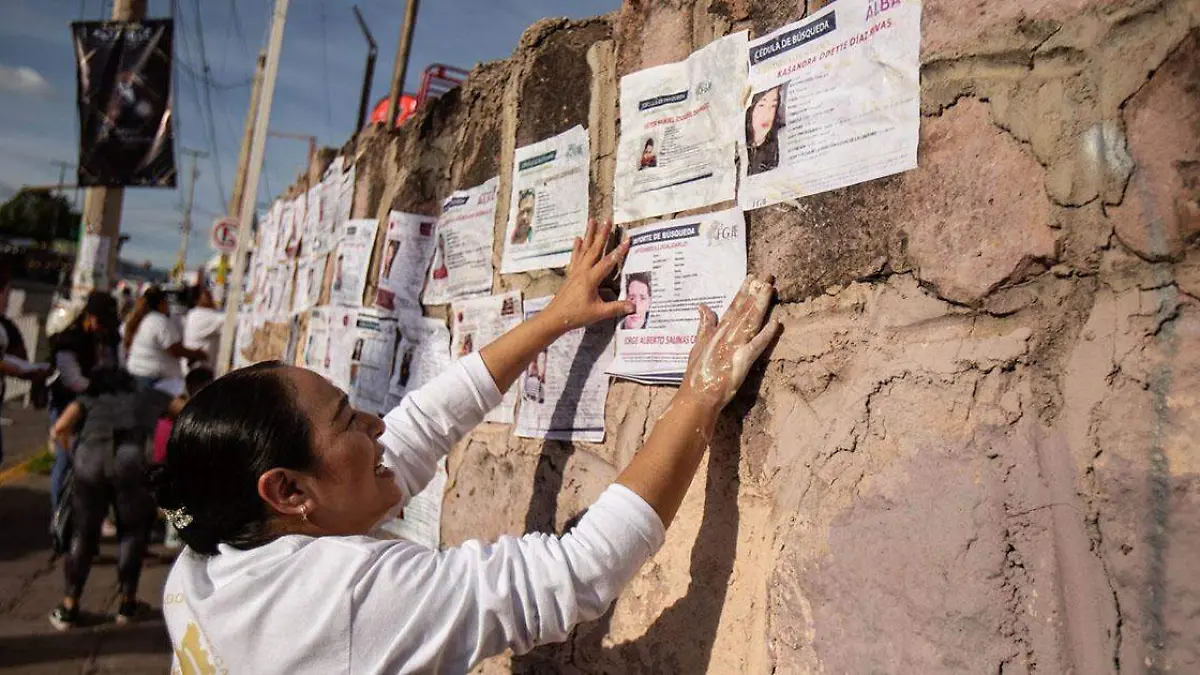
(122,368)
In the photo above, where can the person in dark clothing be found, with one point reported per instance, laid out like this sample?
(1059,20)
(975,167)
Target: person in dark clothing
(88,343)
(107,428)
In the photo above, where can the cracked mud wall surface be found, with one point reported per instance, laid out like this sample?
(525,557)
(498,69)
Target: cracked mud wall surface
(973,448)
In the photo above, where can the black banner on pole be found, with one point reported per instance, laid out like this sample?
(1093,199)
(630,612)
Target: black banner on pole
(126,135)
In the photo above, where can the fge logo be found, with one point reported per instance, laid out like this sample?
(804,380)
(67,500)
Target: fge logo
(877,7)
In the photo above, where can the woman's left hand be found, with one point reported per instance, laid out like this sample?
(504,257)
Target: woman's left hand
(578,302)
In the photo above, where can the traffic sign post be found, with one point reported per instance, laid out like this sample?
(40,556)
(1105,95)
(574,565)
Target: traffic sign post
(224,235)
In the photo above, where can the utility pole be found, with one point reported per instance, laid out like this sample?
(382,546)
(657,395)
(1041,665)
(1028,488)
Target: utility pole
(400,69)
(185,229)
(249,196)
(102,206)
(239,178)
(372,51)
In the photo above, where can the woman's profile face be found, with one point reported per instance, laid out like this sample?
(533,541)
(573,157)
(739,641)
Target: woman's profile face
(762,118)
(351,488)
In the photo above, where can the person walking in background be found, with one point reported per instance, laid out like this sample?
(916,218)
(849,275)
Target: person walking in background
(87,343)
(197,378)
(153,345)
(202,325)
(107,428)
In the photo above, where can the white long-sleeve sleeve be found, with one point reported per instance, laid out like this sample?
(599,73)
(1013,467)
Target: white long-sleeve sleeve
(419,611)
(429,421)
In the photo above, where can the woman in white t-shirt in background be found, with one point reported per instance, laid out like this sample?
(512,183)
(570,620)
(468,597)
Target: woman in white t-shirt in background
(202,325)
(152,341)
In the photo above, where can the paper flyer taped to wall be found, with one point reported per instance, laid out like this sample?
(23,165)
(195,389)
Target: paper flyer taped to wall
(835,100)
(462,252)
(371,355)
(422,353)
(679,132)
(476,323)
(342,334)
(548,208)
(564,389)
(351,261)
(420,521)
(407,247)
(314,351)
(672,268)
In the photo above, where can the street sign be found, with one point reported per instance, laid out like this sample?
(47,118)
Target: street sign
(224,235)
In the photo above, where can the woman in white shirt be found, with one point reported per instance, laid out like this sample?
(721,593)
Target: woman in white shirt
(153,345)
(274,483)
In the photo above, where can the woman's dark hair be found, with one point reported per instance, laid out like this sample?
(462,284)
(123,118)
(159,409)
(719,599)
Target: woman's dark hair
(649,144)
(640,277)
(109,380)
(230,433)
(149,302)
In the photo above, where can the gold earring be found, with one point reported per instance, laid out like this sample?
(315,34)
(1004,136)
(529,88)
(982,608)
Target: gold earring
(304,512)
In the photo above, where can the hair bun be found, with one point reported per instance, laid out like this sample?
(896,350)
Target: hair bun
(166,494)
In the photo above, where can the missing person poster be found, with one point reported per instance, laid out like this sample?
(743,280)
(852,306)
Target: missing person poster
(476,323)
(563,391)
(310,276)
(126,135)
(371,357)
(679,132)
(834,100)
(420,521)
(672,268)
(407,247)
(462,253)
(351,260)
(422,353)
(314,352)
(549,203)
(342,336)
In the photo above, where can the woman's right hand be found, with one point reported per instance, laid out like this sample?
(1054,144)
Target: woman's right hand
(724,352)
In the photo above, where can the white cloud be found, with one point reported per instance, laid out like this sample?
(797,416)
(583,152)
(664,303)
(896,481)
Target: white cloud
(24,79)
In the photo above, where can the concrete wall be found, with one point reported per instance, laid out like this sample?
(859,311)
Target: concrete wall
(974,447)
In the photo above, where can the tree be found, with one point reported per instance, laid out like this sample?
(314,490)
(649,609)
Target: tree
(39,215)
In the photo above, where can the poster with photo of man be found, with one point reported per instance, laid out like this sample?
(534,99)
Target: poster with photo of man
(126,136)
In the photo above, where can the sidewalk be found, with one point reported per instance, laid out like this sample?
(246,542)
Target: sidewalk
(30,586)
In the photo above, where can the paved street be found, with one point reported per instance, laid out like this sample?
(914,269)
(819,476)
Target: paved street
(30,585)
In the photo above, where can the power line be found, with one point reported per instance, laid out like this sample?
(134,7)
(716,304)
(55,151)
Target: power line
(325,71)
(212,132)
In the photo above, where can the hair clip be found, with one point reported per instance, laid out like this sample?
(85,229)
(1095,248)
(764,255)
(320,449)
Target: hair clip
(179,518)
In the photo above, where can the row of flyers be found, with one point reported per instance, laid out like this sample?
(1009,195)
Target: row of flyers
(819,104)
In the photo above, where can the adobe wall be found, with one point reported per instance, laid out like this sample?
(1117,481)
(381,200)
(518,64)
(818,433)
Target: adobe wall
(974,448)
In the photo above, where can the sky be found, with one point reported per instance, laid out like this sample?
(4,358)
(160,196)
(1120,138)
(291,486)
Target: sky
(317,91)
